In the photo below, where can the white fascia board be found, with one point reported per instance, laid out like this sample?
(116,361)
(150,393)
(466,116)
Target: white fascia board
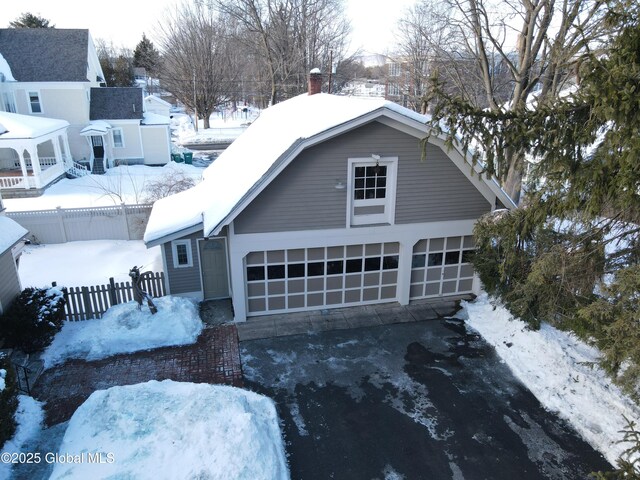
(488,188)
(176,235)
(282,162)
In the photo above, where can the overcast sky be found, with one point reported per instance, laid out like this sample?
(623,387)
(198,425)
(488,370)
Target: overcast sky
(124,21)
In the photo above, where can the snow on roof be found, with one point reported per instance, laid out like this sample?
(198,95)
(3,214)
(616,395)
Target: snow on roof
(5,70)
(241,166)
(96,126)
(157,99)
(26,126)
(151,118)
(10,233)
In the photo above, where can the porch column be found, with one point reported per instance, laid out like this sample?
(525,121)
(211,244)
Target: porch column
(35,165)
(67,150)
(58,153)
(23,167)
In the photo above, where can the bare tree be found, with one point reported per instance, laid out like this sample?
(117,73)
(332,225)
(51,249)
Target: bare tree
(288,38)
(197,57)
(514,50)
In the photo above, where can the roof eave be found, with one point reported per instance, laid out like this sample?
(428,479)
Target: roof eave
(175,235)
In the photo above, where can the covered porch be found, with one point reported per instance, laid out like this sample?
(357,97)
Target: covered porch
(34,152)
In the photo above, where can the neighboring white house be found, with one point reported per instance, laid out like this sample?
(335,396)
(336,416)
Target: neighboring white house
(55,73)
(11,235)
(326,201)
(154,104)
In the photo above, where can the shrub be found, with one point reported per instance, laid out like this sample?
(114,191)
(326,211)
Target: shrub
(8,400)
(33,319)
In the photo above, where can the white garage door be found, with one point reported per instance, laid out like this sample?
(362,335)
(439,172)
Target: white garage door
(441,266)
(308,278)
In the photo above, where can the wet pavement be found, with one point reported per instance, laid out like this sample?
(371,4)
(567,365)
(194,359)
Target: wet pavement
(418,400)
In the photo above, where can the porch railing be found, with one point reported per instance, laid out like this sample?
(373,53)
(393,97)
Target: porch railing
(44,162)
(30,181)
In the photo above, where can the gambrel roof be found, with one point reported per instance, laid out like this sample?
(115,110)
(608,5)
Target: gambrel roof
(46,54)
(266,148)
(116,103)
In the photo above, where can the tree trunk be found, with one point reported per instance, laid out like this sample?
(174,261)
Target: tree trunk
(513,183)
(205,118)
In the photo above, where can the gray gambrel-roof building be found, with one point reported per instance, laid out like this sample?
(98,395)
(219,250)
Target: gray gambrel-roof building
(35,54)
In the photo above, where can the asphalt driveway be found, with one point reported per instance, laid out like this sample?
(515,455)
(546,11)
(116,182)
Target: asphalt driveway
(423,400)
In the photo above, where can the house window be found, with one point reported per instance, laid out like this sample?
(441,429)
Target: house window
(182,256)
(34,102)
(372,190)
(9,103)
(394,69)
(118,138)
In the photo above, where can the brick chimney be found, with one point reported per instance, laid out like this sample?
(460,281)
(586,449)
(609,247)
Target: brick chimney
(315,81)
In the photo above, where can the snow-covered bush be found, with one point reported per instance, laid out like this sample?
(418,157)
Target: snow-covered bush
(33,319)
(8,400)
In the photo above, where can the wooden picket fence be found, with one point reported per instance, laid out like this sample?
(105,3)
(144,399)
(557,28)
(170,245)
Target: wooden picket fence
(84,303)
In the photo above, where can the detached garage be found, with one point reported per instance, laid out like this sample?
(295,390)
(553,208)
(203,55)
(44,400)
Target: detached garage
(325,202)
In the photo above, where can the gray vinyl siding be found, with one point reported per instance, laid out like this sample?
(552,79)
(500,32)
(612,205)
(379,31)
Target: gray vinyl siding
(9,281)
(434,189)
(185,279)
(303,196)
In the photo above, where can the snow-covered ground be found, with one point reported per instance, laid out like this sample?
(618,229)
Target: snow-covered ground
(124,184)
(560,371)
(88,263)
(223,126)
(29,417)
(174,430)
(125,329)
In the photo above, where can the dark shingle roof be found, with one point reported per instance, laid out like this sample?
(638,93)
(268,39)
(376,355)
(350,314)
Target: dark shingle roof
(46,54)
(116,103)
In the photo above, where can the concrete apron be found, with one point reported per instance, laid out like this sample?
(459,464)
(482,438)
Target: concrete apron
(280,325)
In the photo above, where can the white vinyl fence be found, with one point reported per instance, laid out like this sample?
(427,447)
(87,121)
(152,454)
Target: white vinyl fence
(122,222)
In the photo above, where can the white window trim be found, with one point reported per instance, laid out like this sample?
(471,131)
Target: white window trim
(390,195)
(113,137)
(174,253)
(37,92)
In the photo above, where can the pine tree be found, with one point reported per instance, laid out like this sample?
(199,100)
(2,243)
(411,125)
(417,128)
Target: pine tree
(29,20)
(146,56)
(571,255)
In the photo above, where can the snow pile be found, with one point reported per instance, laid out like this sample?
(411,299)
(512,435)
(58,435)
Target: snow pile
(29,417)
(88,263)
(10,233)
(559,370)
(123,184)
(125,329)
(3,375)
(175,430)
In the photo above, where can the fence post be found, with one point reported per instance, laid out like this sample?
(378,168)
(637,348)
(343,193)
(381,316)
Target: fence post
(123,213)
(63,230)
(113,297)
(86,298)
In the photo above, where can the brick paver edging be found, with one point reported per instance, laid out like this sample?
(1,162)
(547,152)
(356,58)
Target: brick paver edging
(214,358)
